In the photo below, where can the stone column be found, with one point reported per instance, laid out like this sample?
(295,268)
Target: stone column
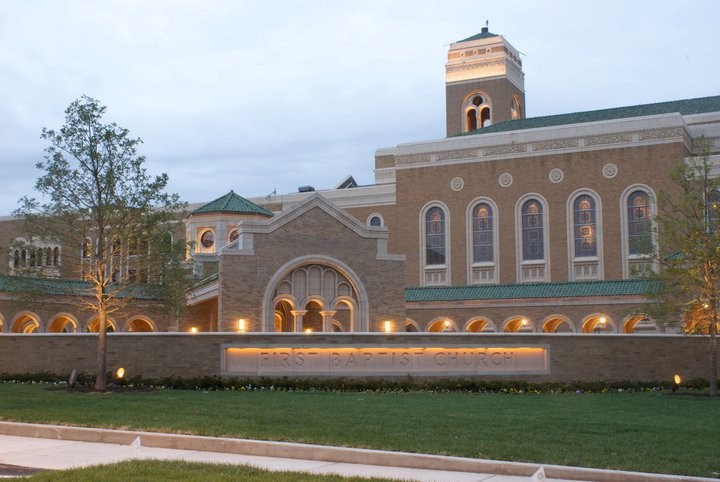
(297,319)
(327,320)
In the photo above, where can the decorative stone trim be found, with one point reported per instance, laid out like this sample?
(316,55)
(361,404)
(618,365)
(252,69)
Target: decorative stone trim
(557,144)
(505,149)
(609,170)
(457,184)
(464,154)
(505,179)
(660,133)
(556,175)
(413,159)
(609,139)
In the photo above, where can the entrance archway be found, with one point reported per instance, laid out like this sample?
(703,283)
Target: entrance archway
(26,323)
(312,288)
(63,324)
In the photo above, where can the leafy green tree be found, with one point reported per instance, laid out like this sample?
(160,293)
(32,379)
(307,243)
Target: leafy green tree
(117,221)
(688,238)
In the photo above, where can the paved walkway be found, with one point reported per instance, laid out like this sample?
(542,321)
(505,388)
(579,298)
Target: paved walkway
(29,447)
(20,453)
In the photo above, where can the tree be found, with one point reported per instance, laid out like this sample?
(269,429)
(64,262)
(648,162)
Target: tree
(98,200)
(688,237)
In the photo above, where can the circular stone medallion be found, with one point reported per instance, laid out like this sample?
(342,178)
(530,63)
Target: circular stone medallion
(609,170)
(505,179)
(457,183)
(556,175)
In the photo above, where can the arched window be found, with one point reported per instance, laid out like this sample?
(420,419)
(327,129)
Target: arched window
(533,246)
(584,232)
(16,259)
(482,233)
(478,112)
(638,222)
(585,226)
(532,238)
(435,236)
(434,245)
(56,256)
(515,112)
(482,242)
(637,204)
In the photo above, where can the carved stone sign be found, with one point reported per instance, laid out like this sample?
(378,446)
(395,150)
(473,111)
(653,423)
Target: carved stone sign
(385,361)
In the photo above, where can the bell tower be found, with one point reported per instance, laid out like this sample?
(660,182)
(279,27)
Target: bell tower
(484,83)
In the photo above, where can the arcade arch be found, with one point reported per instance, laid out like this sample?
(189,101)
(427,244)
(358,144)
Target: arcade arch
(442,325)
(598,323)
(94,326)
(518,324)
(411,326)
(26,322)
(140,324)
(63,323)
(557,324)
(639,324)
(480,324)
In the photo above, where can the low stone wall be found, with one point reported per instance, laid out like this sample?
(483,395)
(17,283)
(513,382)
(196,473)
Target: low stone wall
(530,357)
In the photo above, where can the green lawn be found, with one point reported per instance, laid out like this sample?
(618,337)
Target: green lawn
(156,470)
(649,432)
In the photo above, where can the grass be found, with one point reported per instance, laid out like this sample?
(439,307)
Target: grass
(158,470)
(649,432)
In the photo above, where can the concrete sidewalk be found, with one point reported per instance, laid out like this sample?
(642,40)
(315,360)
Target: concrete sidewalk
(53,447)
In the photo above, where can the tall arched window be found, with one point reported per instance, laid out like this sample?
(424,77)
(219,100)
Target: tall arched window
(637,203)
(584,232)
(482,232)
(532,239)
(639,218)
(585,227)
(533,246)
(434,235)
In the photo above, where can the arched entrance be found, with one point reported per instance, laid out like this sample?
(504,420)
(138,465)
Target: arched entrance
(640,324)
(63,324)
(518,324)
(94,326)
(557,324)
(26,323)
(140,325)
(478,325)
(315,293)
(598,323)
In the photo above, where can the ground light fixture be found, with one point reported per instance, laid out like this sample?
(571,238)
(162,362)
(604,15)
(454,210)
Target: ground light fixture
(308,330)
(677,380)
(120,373)
(193,329)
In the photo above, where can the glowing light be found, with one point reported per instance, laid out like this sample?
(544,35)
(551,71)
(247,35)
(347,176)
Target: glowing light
(242,326)
(308,330)
(388,326)
(524,322)
(447,323)
(193,329)
(603,320)
(677,379)
(121,372)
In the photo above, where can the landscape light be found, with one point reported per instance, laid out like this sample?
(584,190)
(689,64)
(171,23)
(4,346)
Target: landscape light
(676,382)
(308,330)
(193,329)
(241,325)
(388,326)
(120,372)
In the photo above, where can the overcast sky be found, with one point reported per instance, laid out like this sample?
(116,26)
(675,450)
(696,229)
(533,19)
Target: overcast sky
(262,95)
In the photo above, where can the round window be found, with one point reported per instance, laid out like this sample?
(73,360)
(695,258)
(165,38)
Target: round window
(375,221)
(207,239)
(234,235)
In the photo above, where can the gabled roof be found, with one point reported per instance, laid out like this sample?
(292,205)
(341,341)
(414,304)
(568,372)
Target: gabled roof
(576,289)
(483,34)
(232,203)
(699,105)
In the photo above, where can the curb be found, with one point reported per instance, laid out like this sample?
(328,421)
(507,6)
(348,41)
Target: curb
(329,453)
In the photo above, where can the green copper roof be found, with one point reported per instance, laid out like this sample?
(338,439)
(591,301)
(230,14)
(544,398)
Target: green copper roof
(685,107)
(535,290)
(483,34)
(232,203)
(66,287)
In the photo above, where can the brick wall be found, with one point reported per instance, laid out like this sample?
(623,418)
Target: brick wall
(572,357)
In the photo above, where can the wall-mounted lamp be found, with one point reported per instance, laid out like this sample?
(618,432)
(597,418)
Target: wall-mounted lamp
(242,325)
(193,329)
(308,330)
(388,326)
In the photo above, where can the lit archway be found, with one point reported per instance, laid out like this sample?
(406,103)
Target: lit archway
(26,323)
(94,326)
(518,324)
(478,325)
(411,326)
(140,325)
(284,319)
(442,325)
(312,319)
(557,324)
(639,324)
(63,323)
(317,278)
(598,323)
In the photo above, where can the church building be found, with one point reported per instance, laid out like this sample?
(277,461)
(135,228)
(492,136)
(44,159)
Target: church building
(506,224)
